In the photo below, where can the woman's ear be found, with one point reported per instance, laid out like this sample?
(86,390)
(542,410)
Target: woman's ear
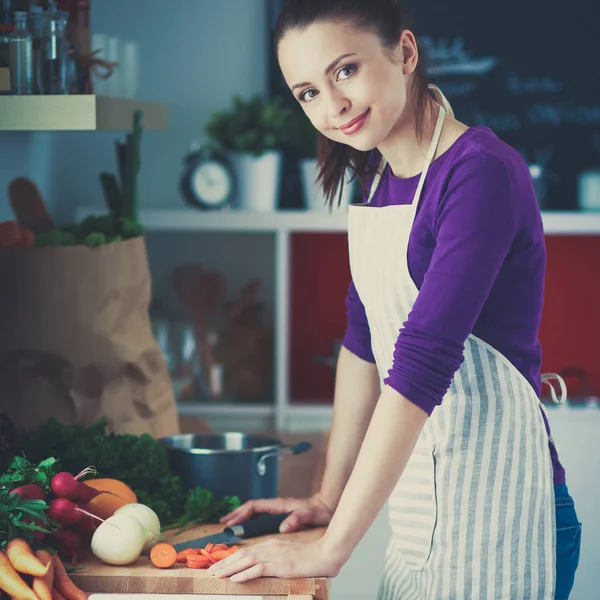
(409,52)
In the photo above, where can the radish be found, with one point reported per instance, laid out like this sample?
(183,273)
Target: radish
(66,542)
(147,517)
(119,540)
(64,485)
(39,535)
(85,528)
(31,491)
(64,511)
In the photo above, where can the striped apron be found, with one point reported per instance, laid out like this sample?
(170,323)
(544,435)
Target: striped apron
(472,516)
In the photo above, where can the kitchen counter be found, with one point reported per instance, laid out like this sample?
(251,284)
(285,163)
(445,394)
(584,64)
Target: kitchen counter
(143,581)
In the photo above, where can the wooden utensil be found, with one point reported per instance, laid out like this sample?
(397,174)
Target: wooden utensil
(28,205)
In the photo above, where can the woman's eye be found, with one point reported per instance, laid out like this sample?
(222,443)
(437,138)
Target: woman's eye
(346,72)
(307,95)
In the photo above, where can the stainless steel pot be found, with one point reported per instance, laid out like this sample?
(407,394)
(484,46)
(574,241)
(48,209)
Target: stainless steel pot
(229,464)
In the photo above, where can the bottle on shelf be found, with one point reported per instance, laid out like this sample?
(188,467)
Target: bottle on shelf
(21,56)
(54,54)
(36,21)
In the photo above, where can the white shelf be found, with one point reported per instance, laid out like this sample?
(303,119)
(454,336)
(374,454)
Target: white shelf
(297,417)
(555,223)
(85,112)
(232,221)
(205,409)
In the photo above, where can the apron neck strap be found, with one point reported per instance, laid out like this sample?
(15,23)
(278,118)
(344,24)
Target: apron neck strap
(430,153)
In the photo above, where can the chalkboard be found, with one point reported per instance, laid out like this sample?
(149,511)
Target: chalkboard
(528,69)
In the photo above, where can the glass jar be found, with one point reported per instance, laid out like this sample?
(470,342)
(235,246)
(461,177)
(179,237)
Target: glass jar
(5,31)
(21,56)
(54,56)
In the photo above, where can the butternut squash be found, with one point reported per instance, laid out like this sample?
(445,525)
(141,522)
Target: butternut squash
(104,505)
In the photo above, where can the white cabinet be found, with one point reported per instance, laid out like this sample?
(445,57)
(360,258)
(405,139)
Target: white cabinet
(275,231)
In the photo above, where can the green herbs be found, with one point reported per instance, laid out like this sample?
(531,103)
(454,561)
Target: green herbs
(251,125)
(121,222)
(12,439)
(139,461)
(201,507)
(91,232)
(22,472)
(26,519)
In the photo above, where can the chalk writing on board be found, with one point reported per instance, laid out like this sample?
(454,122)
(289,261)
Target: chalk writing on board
(559,114)
(454,89)
(499,122)
(517,84)
(451,58)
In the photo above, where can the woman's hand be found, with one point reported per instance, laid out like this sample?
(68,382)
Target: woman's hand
(279,558)
(303,512)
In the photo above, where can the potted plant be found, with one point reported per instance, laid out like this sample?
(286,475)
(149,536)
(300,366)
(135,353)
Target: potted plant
(253,133)
(304,145)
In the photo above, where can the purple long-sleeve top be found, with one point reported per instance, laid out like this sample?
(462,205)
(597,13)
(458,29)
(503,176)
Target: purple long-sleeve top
(477,255)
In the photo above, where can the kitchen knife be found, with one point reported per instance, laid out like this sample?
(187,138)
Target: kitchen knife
(232,535)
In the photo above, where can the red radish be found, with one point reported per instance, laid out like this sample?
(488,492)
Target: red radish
(64,485)
(31,491)
(66,542)
(86,528)
(64,511)
(39,535)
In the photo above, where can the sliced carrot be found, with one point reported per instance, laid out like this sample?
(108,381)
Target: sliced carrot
(42,586)
(196,561)
(234,548)
(163,555)
(209,547)
(63,584)
(220,554)
(23,559)
(208,555)
(219,547)
(183,554)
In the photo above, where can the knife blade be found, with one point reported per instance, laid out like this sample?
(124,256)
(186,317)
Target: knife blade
(262,525)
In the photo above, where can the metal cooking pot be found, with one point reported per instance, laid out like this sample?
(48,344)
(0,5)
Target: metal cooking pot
(229,464)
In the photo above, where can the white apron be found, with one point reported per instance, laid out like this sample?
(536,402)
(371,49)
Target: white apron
(472,516)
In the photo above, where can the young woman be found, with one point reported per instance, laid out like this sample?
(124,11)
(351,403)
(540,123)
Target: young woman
(436,404)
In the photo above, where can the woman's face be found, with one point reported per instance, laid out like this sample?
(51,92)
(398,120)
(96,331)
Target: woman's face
(350,87)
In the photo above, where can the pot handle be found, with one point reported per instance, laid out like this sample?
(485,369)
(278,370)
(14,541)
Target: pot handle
(299,448)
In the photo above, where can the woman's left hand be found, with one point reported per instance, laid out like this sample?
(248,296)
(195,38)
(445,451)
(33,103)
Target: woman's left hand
(277,558)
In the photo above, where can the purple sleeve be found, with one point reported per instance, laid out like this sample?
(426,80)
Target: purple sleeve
(475,225)
(358,336)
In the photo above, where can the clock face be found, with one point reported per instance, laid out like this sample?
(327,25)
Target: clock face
(212,183)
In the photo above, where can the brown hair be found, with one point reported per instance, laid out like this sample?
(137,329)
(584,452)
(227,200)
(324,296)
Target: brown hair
(382,17)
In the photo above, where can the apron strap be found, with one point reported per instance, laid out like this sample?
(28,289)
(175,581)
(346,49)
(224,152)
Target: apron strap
(444,108)
(547,378)
(441,99)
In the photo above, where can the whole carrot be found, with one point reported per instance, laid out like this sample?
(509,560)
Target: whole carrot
(63,583)
(42,586)
(23,559)
(11,582)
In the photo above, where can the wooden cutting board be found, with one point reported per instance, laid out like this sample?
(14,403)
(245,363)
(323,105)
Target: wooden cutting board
(142,577)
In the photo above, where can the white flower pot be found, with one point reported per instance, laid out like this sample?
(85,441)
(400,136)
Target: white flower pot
(314,198)
(258,180)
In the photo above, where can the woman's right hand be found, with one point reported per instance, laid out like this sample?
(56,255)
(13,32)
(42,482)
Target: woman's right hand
(303,512)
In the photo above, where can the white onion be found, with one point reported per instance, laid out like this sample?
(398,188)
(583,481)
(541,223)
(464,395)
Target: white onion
(147,517)
(119,540)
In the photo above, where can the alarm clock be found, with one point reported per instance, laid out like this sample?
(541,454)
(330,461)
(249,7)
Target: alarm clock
(208,180)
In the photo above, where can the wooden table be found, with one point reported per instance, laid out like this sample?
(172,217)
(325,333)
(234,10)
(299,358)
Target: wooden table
(142,581)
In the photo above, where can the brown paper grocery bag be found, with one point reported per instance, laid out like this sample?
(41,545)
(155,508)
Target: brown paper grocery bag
(76,342)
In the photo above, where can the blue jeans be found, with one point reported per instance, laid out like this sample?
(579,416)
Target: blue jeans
(568,542)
